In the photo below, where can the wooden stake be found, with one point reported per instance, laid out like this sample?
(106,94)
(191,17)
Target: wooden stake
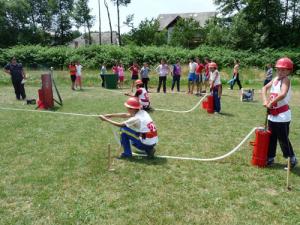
(288,175)
(109,162)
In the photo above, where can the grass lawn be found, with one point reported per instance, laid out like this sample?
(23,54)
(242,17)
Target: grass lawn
(53,168)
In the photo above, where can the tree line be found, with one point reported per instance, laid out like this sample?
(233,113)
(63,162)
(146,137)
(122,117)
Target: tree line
(239,24)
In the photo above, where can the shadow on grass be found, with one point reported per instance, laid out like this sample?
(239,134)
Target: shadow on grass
(147,161)
(280,166)
(226,114)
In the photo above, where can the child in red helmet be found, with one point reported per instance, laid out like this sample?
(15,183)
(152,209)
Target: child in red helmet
(139,128)
(142,94)
(279,117)
(215,85)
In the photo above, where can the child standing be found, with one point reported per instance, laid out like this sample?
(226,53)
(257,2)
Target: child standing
(78,75)
(139,128)
(115,68)
(134,69)
(163,70)
(207,73)
(72,70)
(102,72)
(191,76)
(199,76)
(145,75)
(236,75)
(176,73)
(269,74)
(279,117)
(215,86)
(121,75)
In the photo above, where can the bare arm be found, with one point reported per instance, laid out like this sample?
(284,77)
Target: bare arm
(117,115)
(7,71)
(284,90)
(23,74)
(118,124)
(264,92)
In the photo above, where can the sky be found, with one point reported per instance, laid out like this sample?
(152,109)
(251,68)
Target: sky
(145,9)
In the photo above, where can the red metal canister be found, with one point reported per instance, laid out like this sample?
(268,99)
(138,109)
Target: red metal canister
(260,147)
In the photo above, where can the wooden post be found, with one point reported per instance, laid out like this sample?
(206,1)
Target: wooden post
(288,175)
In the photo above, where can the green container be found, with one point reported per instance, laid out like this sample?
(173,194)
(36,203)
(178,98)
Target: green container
(111,81)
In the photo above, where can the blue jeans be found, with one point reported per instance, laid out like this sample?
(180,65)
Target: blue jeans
(176,79)
(128,135)
(217,100)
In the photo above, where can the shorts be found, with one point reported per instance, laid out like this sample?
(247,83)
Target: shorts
(192,77)
(121,78)
(78,78)
(134,76)
(73,78)
(198,78)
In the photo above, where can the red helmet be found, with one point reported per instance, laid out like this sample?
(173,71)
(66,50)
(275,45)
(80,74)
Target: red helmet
(212,65)
(133,103)
(284,63)
(138,82)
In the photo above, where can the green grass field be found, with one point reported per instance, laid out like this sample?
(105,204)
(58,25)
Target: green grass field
(53,168)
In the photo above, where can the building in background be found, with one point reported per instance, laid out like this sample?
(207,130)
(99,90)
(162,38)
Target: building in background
(168,21)
(105,39)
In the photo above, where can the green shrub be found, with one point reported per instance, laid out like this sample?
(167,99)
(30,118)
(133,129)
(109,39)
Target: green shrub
(36,56)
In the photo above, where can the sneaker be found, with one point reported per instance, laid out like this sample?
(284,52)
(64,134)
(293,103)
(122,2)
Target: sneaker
(150,153)
(123,156)
(292,164)
(270,162)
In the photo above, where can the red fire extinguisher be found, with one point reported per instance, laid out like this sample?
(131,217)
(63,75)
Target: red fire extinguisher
(208,104)
(261,146)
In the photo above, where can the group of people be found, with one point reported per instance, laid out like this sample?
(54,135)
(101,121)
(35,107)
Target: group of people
(139,128)
(75,69)
(198,75)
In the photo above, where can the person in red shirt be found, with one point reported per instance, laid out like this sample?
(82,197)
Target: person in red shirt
(206,77)
(134,69)
(199,72)
(72,69)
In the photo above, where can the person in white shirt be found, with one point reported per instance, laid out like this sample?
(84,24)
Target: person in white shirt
(163,70)
(215,86)
(78,81)
(192,76)
(139,128)
(279,117)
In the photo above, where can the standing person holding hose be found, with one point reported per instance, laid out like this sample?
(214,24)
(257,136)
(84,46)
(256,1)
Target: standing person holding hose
(279,117)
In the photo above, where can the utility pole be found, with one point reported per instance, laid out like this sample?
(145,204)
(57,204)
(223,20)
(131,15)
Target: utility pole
(99,22)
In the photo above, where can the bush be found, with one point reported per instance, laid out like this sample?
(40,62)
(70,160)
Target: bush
(92,56)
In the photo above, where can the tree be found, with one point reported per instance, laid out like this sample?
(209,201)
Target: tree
(62,12)
(186,33)
(129,21)
(82,16)
(119,3)
(109,20)
(147,33)
(229,7)
(216,33)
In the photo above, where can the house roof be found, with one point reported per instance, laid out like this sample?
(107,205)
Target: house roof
(105,38)
(166,19)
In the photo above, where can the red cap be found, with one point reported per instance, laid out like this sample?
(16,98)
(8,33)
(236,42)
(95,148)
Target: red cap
(285,63)
(212,65)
